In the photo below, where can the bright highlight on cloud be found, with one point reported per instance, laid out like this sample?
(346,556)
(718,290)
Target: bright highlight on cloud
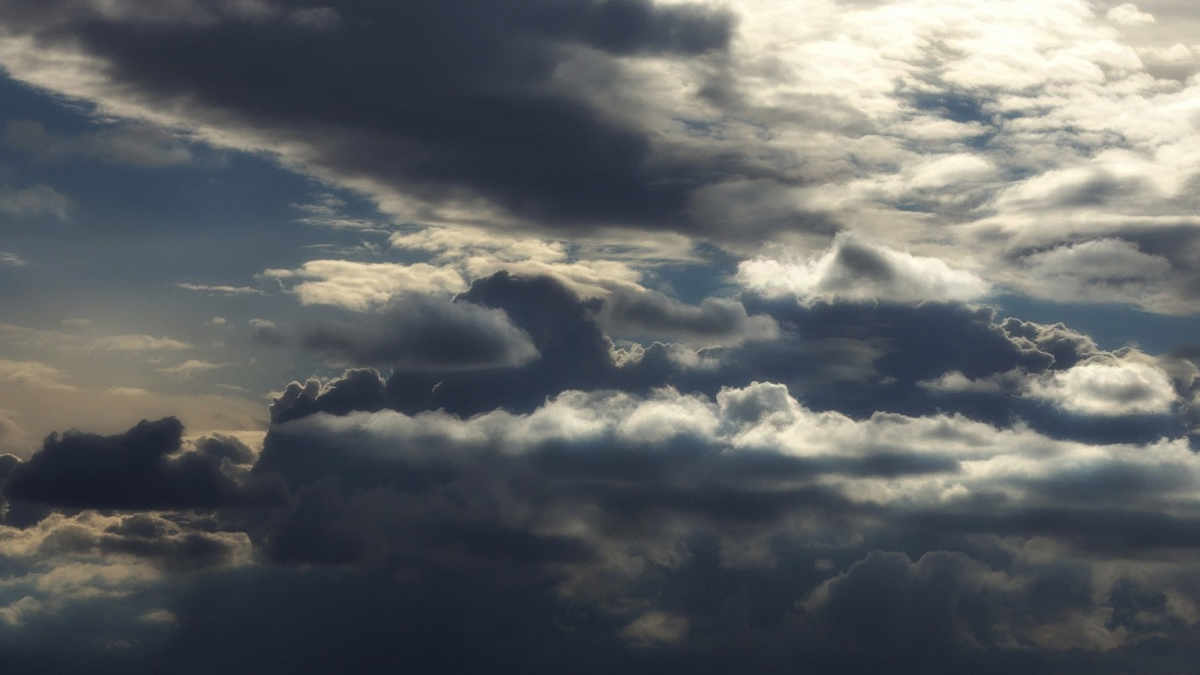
(362,286)
(855,271)
(1103,385)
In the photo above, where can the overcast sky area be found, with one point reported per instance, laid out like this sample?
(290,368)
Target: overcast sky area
(594,336)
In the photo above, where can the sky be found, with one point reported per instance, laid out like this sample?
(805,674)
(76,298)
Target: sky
(847,336)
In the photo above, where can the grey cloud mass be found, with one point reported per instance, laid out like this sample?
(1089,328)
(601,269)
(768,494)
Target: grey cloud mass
(415,332)
(480,108)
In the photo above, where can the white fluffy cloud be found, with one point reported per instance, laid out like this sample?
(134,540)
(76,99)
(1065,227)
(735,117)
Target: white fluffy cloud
(855,270)
(1109,387)
(594,271)
(1102,270)
(1128,14)
(1102,385)
(362,286)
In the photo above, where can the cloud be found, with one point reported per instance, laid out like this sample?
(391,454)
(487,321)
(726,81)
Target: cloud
(220,289)
(854,270)
(415,332)
(836,464)
(962,144)
(598,267)
(140,146)
(34,201)
(656,628)
(11,436)
(327,211)
(77,340)
(33,373)
(63,569)
(12,259)
(191,368)
(715,321)
(140,469)
(267,332)
(978,136)
(1107,387)
(1128,14)
(957,601)
(501,90)
(1104,270)
(849,357)
(138,343)
(59,383)
(363,286)
(656,516)
(1102,385)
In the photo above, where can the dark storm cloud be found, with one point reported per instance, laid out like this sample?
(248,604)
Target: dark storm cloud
(438,504)
(145,537)
(658,316)
(7,464)
(355,390)
(940,601)
(630,481)
(432,99)
(849,357)
(139,469)
(221,447)
(1110,531)
(177,551)
(425,334)
(497,535)
(1066,346)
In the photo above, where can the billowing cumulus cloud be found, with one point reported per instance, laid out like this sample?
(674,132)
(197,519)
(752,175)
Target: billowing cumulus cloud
(618,505)
(616,492)
(1128,14)
(142,468)
(1106,388)
(1103,385)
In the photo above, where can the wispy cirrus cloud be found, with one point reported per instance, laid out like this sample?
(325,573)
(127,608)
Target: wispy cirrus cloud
(191,368)
(220,289)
